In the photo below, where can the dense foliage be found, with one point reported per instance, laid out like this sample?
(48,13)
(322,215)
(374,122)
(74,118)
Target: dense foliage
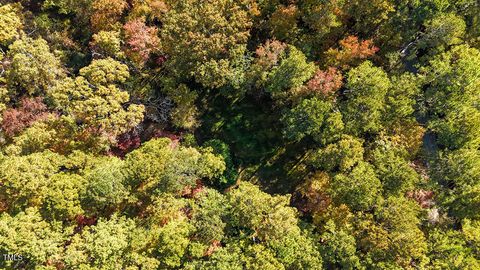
(239,134)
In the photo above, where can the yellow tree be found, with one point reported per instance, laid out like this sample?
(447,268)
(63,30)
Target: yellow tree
(203,38)
(106,14)
(95,103)
(33,68)
(10,22)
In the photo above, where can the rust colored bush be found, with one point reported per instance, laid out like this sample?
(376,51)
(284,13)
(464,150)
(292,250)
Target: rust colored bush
(141,40)
(17,119)
(106,13)
(425,198)
(270,53)
(351,51)
(326,82)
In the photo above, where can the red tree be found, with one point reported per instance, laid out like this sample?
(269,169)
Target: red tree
(141,40)
(351,52)
(326,82)
(17,119)
(126,143)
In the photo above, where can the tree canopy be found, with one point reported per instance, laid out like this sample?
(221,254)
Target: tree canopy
(239,134)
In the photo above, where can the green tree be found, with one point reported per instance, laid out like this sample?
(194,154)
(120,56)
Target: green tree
(108,245)
(395,173)
(105,72)
(339,156)
(458,171)
(4,98)
(470,229)
(367,87)
(166,208)
(313,117)
(298,250)
(97,108)
(170,234)
(68,6)
(367,15)
(458,128)
(231,257)
(28,234)
(34,68)
(262,258)
(339,248)
(449,250)
(460,167)
(222,149)
(161,166)
(106,186)
(443,30)
(107,44)
(321,16)
(212,32)
(464,202)
(372,242)
(59,134)
(173,239)
(407,243)
(36,138)
(453,78)
(359,189)
(62,199)
(185,113)
(26,179)
(278,68)
(269,219)
(291,72)
(209,216)
(401,97)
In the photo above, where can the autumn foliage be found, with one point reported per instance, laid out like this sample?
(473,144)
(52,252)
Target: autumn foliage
(240,134)
(326,82)
(352,51)
(106,13)
(17,119)
(141,40)
(283,22)
(269,54)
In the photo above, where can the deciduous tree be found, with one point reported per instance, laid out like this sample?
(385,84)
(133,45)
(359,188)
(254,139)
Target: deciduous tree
(29,111)
(359,189)
(366,87)
(36,239)
(106,187)
(313,117)
(26,179)
(352,52)
(161,166)
(107,43)
(11,24)
(97,108)
(34,68)
(339,156)
(106,14)
(62,200)
(141,41)
(211,32)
